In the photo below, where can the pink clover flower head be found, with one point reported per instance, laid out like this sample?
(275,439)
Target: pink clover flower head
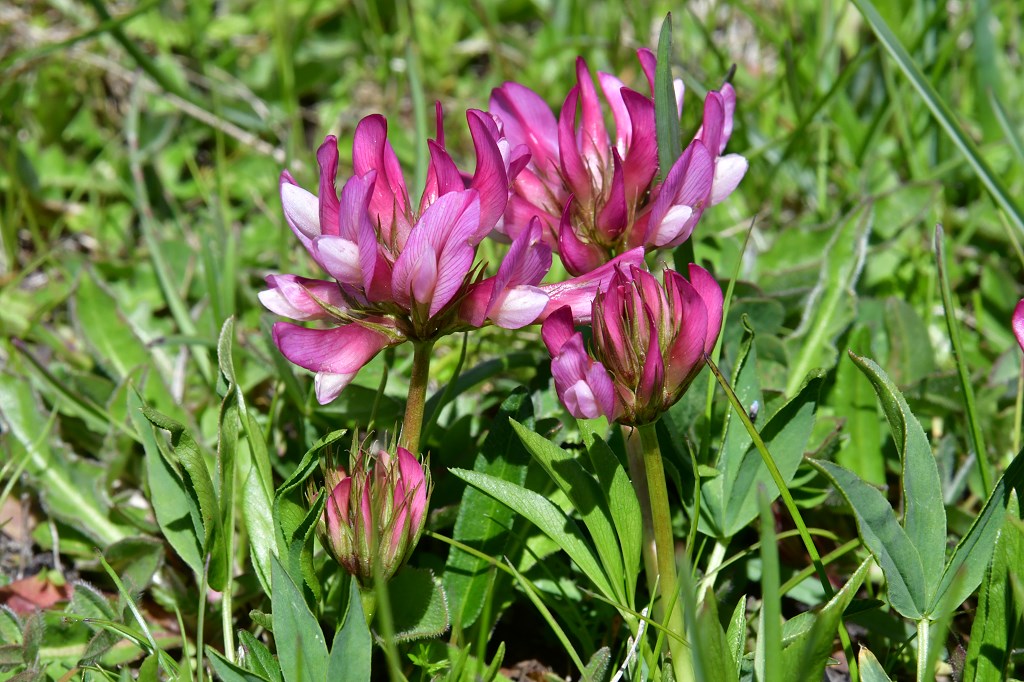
(375,513)
(649,341)
(401,271)
(595,190)
(1018,323)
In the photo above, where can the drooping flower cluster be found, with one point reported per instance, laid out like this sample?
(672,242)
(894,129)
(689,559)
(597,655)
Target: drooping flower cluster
(648,344)
(375,512)
(403,272)
(596,194)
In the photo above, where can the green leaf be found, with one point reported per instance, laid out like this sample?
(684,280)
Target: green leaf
(666,113)
(228,671)
(832,303)
(551,520)
(295,521)
(64,496)
(257,505)
(736,633)
(910,351)
(482,521)
(870,669)
(924,516)
(786,435)
(855,402)
(352,649)
(997,618)
(257,657)
(587,498)
(198,483)
(418,604)
(885,539)
(713,657)
(177,511)
(115,344)
(597,666)
(301,648)
(962,575)
(808,647)
(736,441)
(624,508)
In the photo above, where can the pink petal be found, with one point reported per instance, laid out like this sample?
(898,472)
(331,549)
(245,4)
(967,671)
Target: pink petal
(612,88)
(574,170)
(389,205)
(340,258)
(296,297)
(327,159)
(518,306)
(578,293)
(490,178)
(640,164)
(649,64)
(439,253)
(557,329)
(593,140)
(443,175)
(729,170)
(688,185)
(710,293)
(675,226)
(301,210)
(652,380)
(1018,323)
(578,257)
(412,475)
(528,120)
(687,351)
(614,215)
(337,504)
(329,386)
(714,122)
(583,386)
(340,350)
(729,100)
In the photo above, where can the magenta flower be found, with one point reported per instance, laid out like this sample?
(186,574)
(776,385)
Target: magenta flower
(401,273)
(376,513)
(595,193)
(648,344)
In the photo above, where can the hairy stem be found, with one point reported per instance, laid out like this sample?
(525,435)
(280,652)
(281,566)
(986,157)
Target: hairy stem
(417,399)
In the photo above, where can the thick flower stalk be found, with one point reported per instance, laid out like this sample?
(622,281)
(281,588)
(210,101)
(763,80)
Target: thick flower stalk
(374,513)
(596,192)
(404,272)
(648,344)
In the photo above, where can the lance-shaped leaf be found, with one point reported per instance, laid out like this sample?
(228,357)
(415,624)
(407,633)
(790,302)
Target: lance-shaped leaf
(551,520)
(966,566)
(924,516)
(885,538)
(586,497)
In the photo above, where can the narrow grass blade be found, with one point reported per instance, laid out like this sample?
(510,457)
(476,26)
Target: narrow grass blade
(973,423)
(942,113)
